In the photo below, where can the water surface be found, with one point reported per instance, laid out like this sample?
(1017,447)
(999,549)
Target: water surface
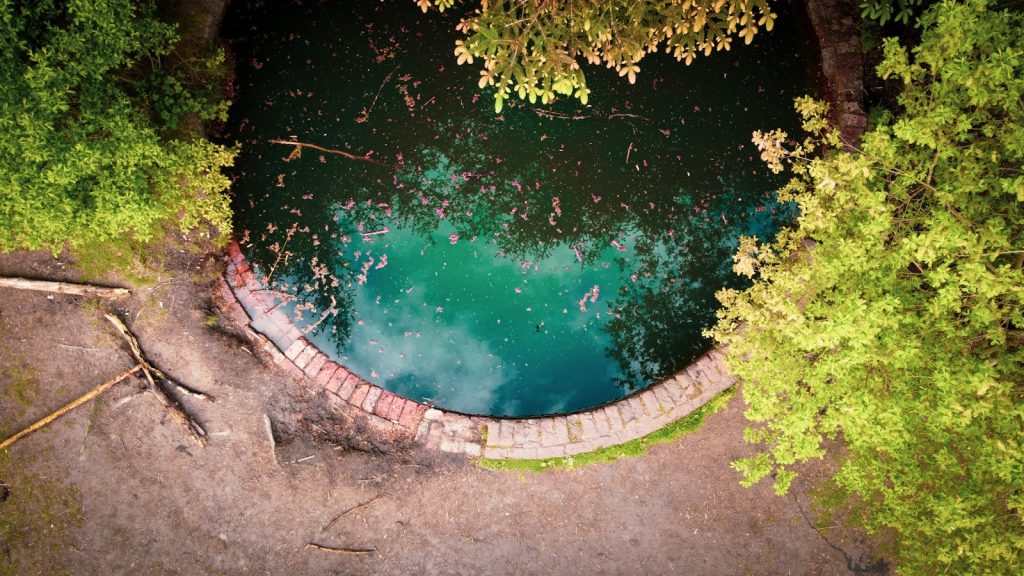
(548,259)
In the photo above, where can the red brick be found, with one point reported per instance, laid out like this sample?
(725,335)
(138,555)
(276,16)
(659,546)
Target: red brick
(235,252)
(325,373)
(314,366)
(295,349)
(245,277)
(394,412)
(230,276)
(362,389)
(383,403)
(371,398)
(303,359)
(351,381)
(272,351)
(343,370)
(412,413)
(383,407)
(334,384)
(292,369)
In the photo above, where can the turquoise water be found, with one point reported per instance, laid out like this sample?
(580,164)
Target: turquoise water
(545,260)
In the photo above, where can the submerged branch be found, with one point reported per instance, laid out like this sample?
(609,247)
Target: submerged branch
(300,145)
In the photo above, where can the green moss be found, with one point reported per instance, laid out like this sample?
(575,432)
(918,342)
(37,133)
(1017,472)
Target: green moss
(18,389)
(137,263)
(22,386)
(34,520)
(669,433)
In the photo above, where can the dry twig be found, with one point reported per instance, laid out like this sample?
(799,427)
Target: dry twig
(300,145)
(334,550)
(349,511)
(70,406)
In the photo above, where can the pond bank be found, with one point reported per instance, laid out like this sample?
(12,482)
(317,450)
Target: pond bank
(251,306)
(566,435)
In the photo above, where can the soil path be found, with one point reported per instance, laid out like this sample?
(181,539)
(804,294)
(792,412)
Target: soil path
(117,487)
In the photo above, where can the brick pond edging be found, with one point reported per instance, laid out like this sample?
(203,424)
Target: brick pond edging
(255,308)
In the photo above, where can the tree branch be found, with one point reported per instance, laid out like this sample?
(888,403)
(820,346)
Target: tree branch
(161,384)
(300,145)
(64,288)
(70,406)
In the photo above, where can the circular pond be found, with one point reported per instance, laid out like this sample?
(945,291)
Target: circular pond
(544,260)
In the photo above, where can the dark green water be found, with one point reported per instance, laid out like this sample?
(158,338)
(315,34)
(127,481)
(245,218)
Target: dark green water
(545,260)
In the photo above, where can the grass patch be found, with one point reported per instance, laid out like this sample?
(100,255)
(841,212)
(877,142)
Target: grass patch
(669,433)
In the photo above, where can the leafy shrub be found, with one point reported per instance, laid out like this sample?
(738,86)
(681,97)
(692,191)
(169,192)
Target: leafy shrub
(86,110)
(900,330)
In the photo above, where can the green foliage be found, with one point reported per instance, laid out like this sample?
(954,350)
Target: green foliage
(533,48)
(882,11)
(892,317)
(637,447)
(87,103)
(172,98)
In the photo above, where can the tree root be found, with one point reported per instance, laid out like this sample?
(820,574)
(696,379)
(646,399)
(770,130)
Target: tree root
(334,550)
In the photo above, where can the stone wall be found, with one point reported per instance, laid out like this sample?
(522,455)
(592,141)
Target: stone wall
(836,24)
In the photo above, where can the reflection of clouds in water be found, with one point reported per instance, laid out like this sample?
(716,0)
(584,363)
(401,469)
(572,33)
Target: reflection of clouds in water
(446,362)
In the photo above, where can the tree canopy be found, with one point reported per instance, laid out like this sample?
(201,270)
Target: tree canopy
(533,49)
(91,102)
(891,317)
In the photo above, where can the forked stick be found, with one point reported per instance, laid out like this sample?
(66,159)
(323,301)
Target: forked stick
(161,382)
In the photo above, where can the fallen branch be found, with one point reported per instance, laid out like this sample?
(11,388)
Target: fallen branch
(560,115)
(162,383)
(64,288)
(334,550)
(71,406)
(545,113)
(300,145)
(349,511)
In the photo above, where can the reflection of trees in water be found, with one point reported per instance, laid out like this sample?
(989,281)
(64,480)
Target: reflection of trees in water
(676,244)
(658,317)
(584,185)
(296,245)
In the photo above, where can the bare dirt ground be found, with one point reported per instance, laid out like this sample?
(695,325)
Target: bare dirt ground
(118,487)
